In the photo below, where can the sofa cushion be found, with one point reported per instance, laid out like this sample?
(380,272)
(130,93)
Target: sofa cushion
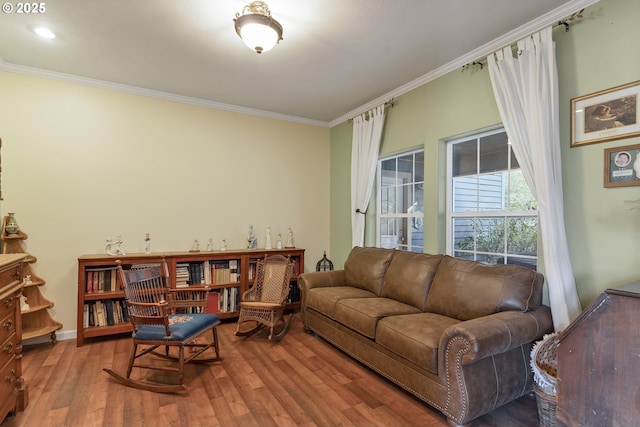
(409,277)
(466,289)
(362,314)
(414,337)
(324,300)
(365,267)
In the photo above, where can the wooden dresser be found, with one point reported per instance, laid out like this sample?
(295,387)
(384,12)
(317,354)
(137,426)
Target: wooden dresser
(599,363)
(13,390)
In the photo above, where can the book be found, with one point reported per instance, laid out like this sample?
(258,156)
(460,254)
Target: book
(125,311)
(85,316)
(107,280)
(108,310)
(234,298)
(117,312)
(98,314)
(213,304)
(207,271)
(92,318)
(100,279)
(88,283)
(182,275)
(223,299)
(234,271)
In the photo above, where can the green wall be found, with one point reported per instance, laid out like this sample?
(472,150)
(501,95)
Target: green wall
(597,53)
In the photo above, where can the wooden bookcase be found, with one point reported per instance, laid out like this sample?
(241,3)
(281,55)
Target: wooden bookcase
(36,320)
(228,274)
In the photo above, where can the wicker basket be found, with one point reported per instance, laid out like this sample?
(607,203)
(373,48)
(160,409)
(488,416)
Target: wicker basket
(544,363)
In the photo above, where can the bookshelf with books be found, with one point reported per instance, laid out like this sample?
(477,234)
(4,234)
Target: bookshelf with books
(101,306)
(219,270)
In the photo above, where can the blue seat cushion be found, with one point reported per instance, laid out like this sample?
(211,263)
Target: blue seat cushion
(183,327)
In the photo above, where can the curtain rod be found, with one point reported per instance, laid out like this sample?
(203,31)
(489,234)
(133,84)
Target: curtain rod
(563,22)
(388,104)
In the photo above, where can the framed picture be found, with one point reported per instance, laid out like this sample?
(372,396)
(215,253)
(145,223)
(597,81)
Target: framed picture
(606,115)
(622,166)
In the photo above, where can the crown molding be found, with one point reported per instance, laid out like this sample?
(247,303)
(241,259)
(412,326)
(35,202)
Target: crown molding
(481,52)
(507,39)
(134,90)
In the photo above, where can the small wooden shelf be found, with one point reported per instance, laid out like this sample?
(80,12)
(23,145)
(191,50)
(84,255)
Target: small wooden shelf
(19,236)
(36,321)
(96,296)
(178,263)
(35,308)
(35,332)
(34,283)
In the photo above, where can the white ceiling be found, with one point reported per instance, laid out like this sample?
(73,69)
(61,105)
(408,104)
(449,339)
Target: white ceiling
(337,57)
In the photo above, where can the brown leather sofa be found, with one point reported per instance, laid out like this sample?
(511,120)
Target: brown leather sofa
(455,333)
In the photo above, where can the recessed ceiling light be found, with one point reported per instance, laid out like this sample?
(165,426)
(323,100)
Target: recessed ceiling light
(44,32)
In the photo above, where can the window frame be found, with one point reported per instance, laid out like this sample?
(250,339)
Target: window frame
(415,218)
(505,213)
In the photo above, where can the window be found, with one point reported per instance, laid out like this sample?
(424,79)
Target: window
(492,216)
(401,201)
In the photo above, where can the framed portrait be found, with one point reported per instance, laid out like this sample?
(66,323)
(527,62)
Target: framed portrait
(622,166)
(606,115)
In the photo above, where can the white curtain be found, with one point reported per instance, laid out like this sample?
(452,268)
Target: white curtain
(526,90)
(364,156)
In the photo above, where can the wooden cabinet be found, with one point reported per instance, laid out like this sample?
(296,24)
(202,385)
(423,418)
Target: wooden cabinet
(599,361)
(36,320)
(13,390)
(228,274)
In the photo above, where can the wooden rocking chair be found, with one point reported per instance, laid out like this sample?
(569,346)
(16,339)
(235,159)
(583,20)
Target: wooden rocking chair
(263,304)
(169,318)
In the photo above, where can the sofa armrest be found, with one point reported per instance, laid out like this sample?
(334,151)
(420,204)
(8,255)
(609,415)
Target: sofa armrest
(320,279)
(317,279)
(494,334)
(484,362)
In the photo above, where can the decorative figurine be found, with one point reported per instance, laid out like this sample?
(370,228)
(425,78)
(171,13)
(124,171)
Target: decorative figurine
(23,304)
(195,247)
(11,228)
(290,239)
(113,247)
(210,246)
(267,244)
(279,242)
(223,245)
(147,244)
(27,280)
(252,240)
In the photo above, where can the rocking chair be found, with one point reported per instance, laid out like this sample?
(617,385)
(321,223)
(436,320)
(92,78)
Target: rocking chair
(168,318)
(263,304)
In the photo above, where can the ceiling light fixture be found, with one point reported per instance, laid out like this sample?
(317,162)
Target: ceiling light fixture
(44,32)
(257,28)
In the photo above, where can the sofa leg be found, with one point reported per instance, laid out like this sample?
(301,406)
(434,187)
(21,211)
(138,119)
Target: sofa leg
(455,424)
(307,330)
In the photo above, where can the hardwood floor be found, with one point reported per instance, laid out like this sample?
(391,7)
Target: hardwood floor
(301,381)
